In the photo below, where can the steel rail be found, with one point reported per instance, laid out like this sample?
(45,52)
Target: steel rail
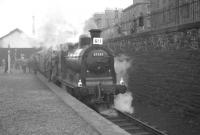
(133,124)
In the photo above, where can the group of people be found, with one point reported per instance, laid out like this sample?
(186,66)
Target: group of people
(4,65)
(26,65)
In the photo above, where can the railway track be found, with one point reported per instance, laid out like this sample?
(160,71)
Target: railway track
(132,125)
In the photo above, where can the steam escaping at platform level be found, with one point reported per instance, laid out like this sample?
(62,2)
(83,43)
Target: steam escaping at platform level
(109,112)
(123,102)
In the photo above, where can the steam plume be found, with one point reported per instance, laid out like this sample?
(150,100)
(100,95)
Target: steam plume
(89,24)
(122,63)
(123,102)
(55,31)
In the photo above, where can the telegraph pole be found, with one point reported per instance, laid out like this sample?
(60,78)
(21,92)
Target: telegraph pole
(33,25)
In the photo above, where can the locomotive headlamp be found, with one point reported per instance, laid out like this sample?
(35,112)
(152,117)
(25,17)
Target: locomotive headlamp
(80,84)
(122,82)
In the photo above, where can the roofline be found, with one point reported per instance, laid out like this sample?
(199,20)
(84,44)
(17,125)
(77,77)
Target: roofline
(20,31)
(134,5)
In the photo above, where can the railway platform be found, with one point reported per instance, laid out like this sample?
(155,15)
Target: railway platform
(30,105)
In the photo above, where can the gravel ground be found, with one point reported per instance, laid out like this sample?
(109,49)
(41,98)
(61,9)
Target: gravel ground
(27,107)
(164,120)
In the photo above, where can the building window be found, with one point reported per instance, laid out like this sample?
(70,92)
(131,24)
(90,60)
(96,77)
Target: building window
(141,21)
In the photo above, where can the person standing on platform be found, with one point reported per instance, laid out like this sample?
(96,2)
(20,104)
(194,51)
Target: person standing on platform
(49,66)
(23,64)
(29,65)
(54,63)
(33,64)
(3,65)
(6,66)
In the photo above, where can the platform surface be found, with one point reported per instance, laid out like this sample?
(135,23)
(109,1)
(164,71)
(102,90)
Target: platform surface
(30,105)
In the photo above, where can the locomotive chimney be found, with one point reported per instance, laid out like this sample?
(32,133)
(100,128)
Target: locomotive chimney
(83,41)
(94,33)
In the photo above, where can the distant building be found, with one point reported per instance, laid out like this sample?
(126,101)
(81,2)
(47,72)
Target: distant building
(105,21)
(146,15)
(138,1)
(111,17)
(98,19)
(18,43)
(111,20)
(95,22)
(134,18)
(17,39)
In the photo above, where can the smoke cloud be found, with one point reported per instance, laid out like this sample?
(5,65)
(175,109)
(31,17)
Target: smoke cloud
(89,24)
(55,31)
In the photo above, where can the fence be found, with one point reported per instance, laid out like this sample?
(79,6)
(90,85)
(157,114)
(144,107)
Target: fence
(183,13)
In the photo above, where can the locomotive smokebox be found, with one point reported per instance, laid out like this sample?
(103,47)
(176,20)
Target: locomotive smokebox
(94,33)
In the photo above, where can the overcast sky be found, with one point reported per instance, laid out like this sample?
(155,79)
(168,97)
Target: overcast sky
(68,14)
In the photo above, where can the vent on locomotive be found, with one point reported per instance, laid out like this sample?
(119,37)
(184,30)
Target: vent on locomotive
(98,63)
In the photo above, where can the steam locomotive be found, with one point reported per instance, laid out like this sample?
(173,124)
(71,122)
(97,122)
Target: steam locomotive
(86,71)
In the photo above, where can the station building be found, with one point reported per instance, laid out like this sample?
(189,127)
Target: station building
(18,43)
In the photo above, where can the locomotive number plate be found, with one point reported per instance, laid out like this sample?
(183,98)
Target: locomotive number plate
(98,41)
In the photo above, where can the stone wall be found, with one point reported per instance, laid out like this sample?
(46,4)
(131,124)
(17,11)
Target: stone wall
(159,41)
(165,69)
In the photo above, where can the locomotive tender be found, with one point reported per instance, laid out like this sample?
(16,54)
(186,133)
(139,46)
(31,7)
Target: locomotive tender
(87,71)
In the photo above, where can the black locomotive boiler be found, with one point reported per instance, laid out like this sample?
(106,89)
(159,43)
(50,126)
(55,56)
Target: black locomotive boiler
(87,71)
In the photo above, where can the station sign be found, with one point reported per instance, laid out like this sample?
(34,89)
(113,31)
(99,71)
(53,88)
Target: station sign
(97,41)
